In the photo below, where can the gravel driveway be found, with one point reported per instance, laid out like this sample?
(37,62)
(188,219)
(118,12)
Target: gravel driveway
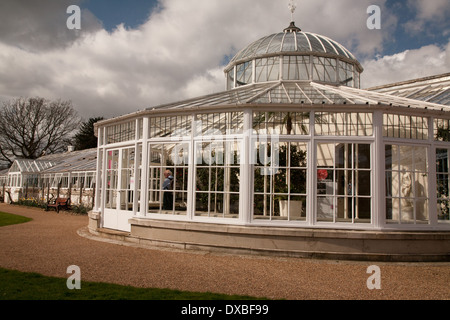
(51,242)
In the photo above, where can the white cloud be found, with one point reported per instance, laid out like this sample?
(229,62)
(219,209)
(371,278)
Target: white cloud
(434,12)
(426,61)
(41,25)
(176,54)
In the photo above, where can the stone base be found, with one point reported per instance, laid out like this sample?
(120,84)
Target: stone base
(392,246)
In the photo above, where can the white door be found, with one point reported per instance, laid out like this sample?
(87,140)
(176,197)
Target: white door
(119,188)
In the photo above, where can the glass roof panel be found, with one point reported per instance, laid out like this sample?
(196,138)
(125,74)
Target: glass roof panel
(252,48)
(262,49)
(341,50)
(328,47)
(302,42)
(316,45)
(289,42)
(275,44)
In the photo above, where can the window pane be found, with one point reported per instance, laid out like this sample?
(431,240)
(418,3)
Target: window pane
(282,190)
(443,184)
(168,176)
(407,184)
(407,127)
(343,182)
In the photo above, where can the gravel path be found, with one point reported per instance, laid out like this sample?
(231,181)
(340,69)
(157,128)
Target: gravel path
(50,243)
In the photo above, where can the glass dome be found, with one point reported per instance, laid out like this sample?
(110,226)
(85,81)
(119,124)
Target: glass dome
(294,55)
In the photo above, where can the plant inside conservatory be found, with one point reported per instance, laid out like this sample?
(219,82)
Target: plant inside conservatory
(288,186)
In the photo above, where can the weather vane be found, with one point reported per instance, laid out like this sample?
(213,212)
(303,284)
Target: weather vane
(292,6)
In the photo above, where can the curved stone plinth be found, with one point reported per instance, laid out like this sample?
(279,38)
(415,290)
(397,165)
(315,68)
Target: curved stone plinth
(395,246)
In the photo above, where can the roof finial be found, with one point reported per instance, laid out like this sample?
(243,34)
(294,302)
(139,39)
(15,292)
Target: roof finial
(292,28)
(292,6)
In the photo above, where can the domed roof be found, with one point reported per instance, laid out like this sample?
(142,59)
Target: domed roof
(294,41)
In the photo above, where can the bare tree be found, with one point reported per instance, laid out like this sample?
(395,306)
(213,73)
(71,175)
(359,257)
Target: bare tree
(30,128)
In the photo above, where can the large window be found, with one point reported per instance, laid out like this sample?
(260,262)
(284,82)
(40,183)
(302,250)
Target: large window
(347,76)
(121,132)
(344,182)
(120,166)
(168,178)
(408,127)
(219,123)
(126,175)
(280,174)
(285,123)
(343,123)
(267,69)
(442,129)
(217,178)
(296,67)
(442,183)
(324,69)
(244,73)
(112,177)
(160,127)
(406,184)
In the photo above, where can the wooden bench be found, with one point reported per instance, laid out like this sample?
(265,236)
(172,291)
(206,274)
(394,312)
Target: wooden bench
(58,203)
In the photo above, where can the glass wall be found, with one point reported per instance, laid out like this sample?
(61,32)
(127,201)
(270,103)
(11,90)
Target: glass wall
(343,124)
(121,132)
(344,191)
(267,69)
(293,67)
(120,166)
(296,68)
(441,130)
(217,178)
(126,176)
(320,168)
(244,73)
(406,184)
(282,123)
(280,178)
(168,174)
(161,127)
(402,126)
(443,184)
(112,177)
(347,76)
(219,123)
(324,69)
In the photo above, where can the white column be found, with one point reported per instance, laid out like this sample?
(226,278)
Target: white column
(191,169)
(378,175)
(144,165)
(246,185)
(311,184)
(432,177)
(98,172)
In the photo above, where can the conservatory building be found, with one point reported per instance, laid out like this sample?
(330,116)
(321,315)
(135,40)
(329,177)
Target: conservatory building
(293,158)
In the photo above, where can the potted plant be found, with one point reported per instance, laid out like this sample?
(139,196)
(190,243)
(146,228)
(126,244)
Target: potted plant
(286,194)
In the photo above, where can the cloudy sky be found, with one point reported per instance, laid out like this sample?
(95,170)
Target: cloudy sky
(130,55)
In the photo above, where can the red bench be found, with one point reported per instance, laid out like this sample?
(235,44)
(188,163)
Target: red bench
(58,203)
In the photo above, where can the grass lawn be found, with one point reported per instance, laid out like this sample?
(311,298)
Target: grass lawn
(16,285)
(8,219)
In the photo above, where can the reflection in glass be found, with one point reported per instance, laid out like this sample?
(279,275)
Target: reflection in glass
(343,182)
(406,184)
(217,179)
(280,194)
(168,175)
